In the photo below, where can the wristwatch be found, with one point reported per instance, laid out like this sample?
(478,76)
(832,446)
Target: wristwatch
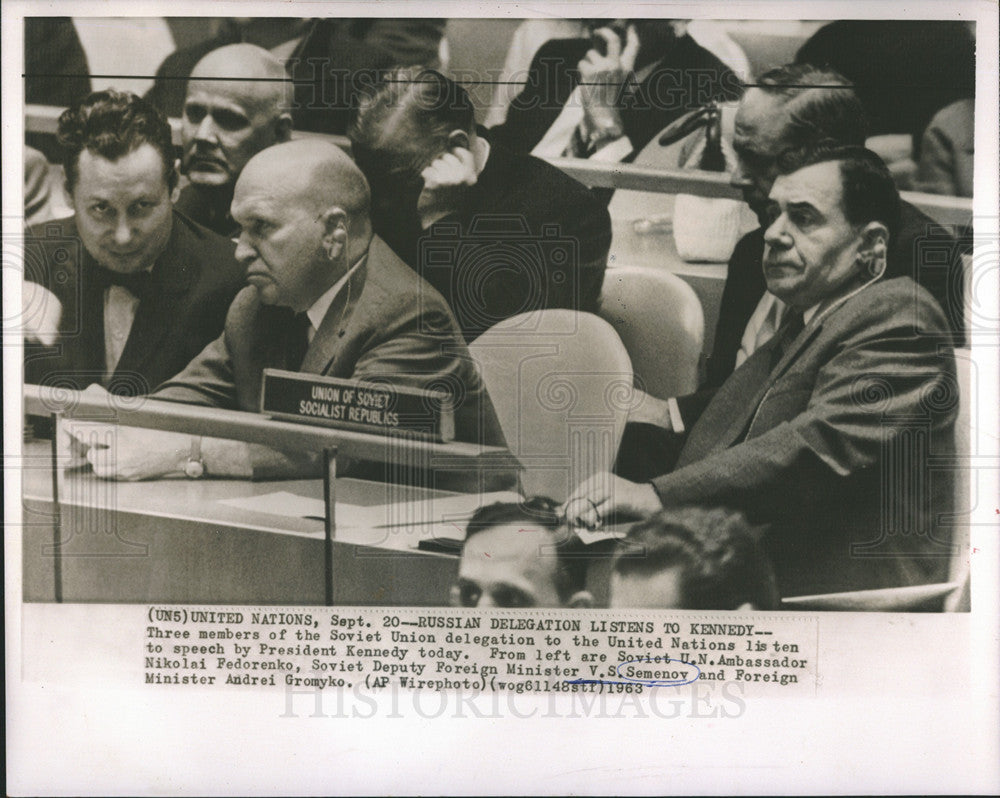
(194,468)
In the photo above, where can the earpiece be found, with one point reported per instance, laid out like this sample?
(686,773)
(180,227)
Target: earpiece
(874,260)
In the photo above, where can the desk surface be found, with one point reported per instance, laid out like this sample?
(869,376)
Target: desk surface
(174,541)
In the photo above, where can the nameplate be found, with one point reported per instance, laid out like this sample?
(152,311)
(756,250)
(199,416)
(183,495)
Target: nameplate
(376,407)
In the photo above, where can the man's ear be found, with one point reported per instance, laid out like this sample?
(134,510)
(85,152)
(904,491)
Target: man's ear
(458,139)
(334,232)
(582,599)
(283,128)
(872,252)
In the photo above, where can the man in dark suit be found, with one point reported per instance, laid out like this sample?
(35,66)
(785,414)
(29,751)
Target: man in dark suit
(325,297)
(495,232)
(237,104)
(606,97)
(140,288)
(824,431)
(793,108)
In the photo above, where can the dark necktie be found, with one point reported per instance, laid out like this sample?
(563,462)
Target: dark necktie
(298,340)
(136,283)
(791,325)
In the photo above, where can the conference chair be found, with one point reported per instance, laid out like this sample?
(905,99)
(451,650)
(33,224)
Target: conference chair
(660,321)
(561,383)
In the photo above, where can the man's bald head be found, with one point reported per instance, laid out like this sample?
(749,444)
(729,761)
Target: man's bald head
(257,75)
(226,122)
(302,207)
(311,172)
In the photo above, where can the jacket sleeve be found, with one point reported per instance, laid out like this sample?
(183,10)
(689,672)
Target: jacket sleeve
(862,399)
(207,380)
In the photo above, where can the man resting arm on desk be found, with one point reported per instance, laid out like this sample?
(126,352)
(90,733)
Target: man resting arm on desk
(325,297)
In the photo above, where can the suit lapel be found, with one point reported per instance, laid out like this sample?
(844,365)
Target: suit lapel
(730,415)
(326,344)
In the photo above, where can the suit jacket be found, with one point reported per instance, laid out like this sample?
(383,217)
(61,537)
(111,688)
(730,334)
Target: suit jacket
(526,237)
(914,253)
(193,203)
(192,284)
(830,447)
(688,76)
(385,324)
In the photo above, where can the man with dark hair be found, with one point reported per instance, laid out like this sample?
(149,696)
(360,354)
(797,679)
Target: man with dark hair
(607,96)
(795,108)
(816,433)
(693,558)
(237,103)
(792,110)
(519,555)
(496,233)
(141,289)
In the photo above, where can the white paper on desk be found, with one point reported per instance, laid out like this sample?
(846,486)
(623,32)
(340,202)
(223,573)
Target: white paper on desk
(280,503)
(431,511)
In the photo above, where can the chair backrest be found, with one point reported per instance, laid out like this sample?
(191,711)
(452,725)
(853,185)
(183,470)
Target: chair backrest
(561,383)
(660,320)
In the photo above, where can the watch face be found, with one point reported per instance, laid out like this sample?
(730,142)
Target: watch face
(194,469)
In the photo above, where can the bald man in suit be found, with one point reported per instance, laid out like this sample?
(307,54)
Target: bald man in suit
(326,297)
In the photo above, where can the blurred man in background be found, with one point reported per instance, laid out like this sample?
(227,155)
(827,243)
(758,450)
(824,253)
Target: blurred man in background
(238,103)
(495,232)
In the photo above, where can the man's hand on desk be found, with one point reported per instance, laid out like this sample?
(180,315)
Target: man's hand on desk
(604,496)
(137,454)
(141,454)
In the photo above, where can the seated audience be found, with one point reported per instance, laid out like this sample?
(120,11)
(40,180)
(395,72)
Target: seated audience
(605,97)
(946,151)
(496,232)
(325,297)
(531,34)
(236,106)
(518,555)
(141,288)
(693,558)
(808,434)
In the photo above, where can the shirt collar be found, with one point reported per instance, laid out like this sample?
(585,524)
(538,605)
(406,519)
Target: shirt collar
(321,306)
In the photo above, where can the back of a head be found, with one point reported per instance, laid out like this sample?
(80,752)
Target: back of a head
(406,121)
(718,554)
(822,105)
(112,124)
(869,190)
